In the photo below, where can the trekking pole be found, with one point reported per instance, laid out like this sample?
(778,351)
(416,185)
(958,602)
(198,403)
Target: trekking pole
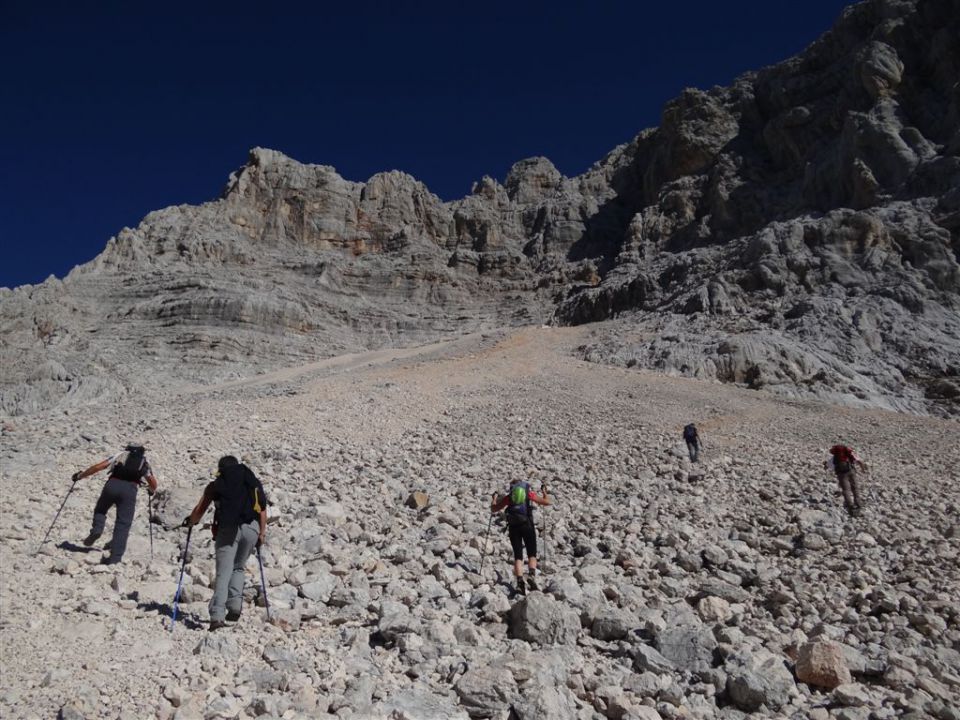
(56,517)
(150,522)
(263,582)
(183,565)
(543,491)
(486,538)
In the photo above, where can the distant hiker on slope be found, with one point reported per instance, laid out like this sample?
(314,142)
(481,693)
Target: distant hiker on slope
(845,463)
(519,513)
(692,438)
(128,470)
(239,525)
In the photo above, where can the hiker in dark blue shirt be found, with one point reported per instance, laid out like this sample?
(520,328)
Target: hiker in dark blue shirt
(692,438)
(239,526)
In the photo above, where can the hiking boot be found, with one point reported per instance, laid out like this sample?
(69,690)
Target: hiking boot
(109,561)
(521,586)
(233,616)
(217,624)
(532,583)
(91,538)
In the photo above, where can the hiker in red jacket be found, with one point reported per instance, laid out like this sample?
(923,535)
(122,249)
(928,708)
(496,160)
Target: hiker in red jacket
(844,462)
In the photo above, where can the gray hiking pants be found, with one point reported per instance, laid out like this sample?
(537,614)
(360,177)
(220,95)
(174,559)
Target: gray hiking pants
(233,547)
(123,494)
(693,447)
(851,491)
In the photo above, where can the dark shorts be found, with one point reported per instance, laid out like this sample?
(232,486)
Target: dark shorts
(522,535)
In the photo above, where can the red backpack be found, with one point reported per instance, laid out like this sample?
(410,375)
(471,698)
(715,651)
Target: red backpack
(842,459)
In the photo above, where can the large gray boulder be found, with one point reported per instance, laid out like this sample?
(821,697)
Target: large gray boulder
(421,703)
(486,691)
(613,623)
(539,618)
(688,647)
(759,680)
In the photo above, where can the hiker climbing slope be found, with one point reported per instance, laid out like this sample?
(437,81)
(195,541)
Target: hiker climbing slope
(518,506)
(692,438)
(128,470)
(845,463)
(239,526)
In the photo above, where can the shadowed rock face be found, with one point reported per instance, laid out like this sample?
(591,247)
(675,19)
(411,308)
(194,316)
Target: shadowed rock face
(797,231)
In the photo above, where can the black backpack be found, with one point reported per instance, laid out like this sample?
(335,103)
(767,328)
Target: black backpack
(690,432)
(131,469)
(519,511)
(239,496)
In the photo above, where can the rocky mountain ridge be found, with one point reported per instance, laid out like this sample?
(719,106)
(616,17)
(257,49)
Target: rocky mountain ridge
(797,231)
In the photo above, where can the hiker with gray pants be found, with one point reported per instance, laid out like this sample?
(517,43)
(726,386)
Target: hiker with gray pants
(239,526)
(128,470)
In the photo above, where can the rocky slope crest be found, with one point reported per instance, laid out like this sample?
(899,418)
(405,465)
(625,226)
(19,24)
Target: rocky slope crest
(798,230)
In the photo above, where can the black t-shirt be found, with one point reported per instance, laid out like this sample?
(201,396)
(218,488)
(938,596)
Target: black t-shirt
(238,495)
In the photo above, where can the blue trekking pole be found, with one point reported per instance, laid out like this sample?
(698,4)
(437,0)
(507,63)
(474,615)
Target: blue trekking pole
(263,582)
(183,565)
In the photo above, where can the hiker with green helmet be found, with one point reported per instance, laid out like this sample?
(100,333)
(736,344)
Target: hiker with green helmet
(518,506)
(129,469)
(239,526)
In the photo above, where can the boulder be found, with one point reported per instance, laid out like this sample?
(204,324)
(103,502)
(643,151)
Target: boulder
(613,624)
(421,703)
(319,586)
(546,702)
(541,619)
(417,500)
(486,691)
(688,647)
(762,679)
(822,664)
(649,660)
(714,609)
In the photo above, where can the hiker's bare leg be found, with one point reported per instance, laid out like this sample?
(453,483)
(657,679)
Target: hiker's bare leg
(518,568)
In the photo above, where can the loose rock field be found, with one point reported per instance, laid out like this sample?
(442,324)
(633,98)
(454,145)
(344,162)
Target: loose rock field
(669,590)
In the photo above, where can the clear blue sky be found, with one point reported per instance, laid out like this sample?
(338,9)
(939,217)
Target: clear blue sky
(113,109)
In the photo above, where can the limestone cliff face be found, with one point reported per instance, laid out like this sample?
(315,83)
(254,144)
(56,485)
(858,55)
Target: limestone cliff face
(809,212)
(798,230)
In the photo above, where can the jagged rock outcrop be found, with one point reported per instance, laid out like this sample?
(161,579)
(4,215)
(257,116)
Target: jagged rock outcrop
(799,228)
(798,231)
